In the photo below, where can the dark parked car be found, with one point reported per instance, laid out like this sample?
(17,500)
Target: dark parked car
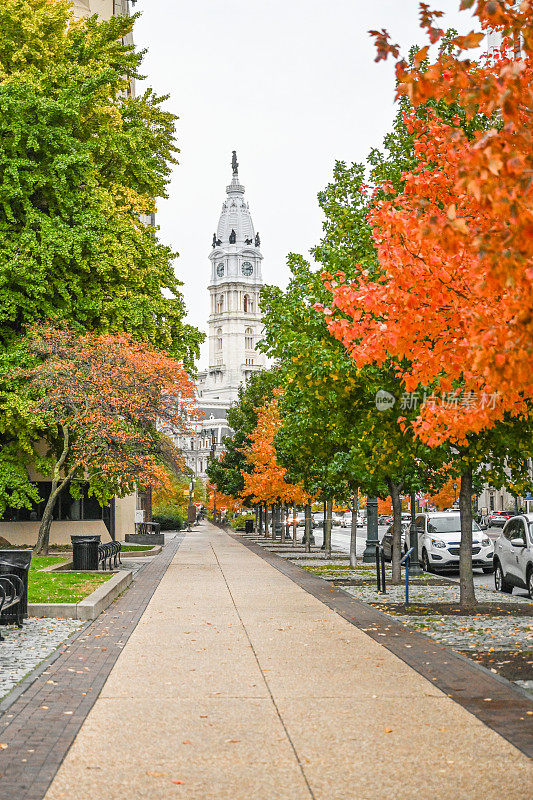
(497,519)
(387,541)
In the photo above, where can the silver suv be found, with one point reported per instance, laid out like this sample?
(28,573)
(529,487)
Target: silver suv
(513,555)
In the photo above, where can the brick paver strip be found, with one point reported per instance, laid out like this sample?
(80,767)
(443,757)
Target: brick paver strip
(495,701)
(40,726)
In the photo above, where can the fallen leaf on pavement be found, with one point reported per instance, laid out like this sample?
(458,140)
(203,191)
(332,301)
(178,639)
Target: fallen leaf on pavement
(3,746)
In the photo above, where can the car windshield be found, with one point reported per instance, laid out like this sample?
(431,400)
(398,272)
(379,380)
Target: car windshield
(448,524)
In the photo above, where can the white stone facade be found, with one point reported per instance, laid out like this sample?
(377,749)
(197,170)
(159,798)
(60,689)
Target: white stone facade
(234,323)
(104,8)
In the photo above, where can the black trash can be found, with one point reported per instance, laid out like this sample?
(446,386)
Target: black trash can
(85,552)
(248,526)
(16,562)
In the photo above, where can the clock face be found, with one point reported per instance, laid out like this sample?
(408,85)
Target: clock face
(220,270)
(247,268)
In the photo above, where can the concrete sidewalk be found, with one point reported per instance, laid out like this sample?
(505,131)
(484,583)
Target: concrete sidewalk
(239,685)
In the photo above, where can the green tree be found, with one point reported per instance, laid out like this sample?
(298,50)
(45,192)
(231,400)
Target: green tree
(226,473)
(82,163)
(334,440)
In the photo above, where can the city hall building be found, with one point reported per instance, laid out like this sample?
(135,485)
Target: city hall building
(234,324)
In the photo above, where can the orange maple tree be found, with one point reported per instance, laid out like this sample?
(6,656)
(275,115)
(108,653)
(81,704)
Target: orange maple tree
(454,300)
(446,496)
(266,483)
(108,406)
(385,506)
(218,500)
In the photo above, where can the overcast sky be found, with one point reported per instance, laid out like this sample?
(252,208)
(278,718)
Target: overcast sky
(292,86)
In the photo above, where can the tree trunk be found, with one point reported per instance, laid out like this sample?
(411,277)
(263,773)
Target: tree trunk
(353,531)
(58,484)
(294,524)
(394,489)
(308,524)
(327,527)
(466,576)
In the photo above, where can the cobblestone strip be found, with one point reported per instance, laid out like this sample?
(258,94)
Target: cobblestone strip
(492,699)
(41,725)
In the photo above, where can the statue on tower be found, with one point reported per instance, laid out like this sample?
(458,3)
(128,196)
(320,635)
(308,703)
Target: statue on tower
(214,240)
(257,240)
(232,237)
(235,163)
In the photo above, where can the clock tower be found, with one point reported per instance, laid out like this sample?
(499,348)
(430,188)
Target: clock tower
(234,324)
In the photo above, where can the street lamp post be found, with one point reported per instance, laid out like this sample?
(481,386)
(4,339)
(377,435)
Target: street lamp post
(454,492)
(414,564)
(191,505)
(277,524)
(212,456)
(372,540)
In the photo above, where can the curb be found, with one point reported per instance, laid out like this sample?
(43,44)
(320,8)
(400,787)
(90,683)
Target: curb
(60,567)
(142,553)
(89,608)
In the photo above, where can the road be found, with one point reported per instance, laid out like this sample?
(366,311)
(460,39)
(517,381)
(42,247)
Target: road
(340,538)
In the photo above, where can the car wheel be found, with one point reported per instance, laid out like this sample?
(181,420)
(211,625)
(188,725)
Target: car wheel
(530,583)
(426,566)
(488,570)
(500,583)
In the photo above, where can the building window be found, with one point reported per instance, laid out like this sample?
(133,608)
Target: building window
(248,304)
(249,339)
(249,361)
(220,304)
(67,508)
(219,339)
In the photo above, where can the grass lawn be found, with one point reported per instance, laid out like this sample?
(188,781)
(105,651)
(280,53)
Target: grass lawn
(128,548)
(318,568)
(62,587)
(40,562)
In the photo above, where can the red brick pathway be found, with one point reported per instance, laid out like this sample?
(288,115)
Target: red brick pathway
(40,726)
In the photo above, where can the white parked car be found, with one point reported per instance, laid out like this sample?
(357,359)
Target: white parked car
(439,539)
(348,520)
(513,555)
(338,520)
